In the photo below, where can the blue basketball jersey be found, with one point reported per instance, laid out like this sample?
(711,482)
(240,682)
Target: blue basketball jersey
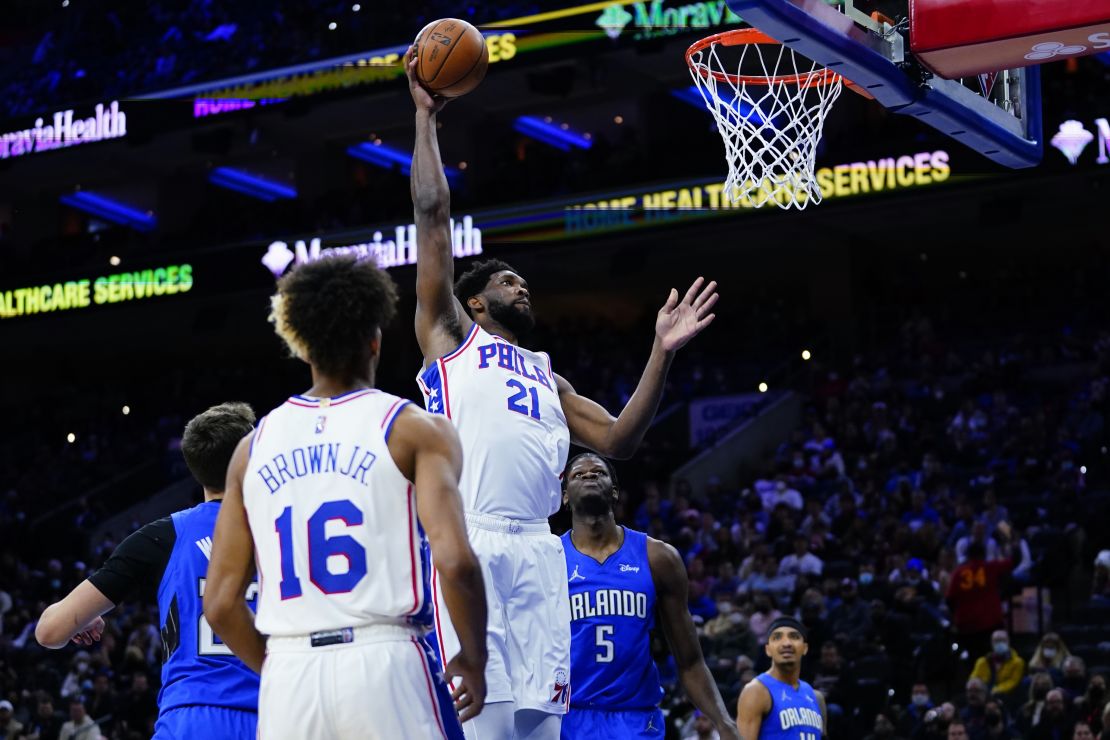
(795,713)
(612,611)
(198,667)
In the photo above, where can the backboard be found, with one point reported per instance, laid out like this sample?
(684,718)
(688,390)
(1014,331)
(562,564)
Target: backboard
(997,113)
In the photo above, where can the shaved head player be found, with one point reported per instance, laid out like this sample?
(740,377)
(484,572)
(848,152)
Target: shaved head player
(778,704)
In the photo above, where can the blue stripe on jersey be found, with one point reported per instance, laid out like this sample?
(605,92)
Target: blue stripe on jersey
(433,389)
(396,412)
(198,668)
(425,615)
(612,608)
(312,399)
(447,714)
(795,713)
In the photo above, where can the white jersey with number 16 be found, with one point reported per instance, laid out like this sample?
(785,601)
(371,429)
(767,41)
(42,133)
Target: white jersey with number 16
(334,521)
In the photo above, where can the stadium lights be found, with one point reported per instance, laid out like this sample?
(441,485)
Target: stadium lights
(248,184)
(543,130)
(386,157)
(762,387)
(113,261)
(126,410)
(747,111)
(71,438)
(356,7)
(806,354)
(332,26)
(111,210)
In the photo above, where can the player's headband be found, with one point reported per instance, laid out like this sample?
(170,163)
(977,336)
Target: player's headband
(787,622)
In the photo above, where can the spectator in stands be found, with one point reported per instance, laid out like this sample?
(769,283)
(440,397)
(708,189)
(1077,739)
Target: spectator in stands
(768,581)
(978,535)
(920,512)
(1083,731)
(1100,582)
(973,713)
(957,731)
(830,676)
(78,674)
(763,613)
(801,562)
(1074,681)
(1055,722)
(850,620)
(1049,655)
(974,593)
(45,723)
(1039,686)
(920,704)
(883,729)
(10,727)
(1002,669)
(699,727)
(1090,706)
(102,701)
(995,725)
(80,725)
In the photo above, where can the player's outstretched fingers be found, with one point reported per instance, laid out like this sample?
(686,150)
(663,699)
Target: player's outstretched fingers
(707,295)
(693,291)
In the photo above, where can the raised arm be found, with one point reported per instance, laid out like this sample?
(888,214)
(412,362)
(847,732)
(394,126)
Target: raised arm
(427,451)
(676,324)
(441,321)
(231,569)
(76,617)
(669,575)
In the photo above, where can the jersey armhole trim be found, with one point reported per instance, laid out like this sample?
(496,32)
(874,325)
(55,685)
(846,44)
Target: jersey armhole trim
(462,347)
(257,435)
(391,416)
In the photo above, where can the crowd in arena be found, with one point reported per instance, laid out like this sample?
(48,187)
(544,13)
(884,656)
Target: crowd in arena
(90,51)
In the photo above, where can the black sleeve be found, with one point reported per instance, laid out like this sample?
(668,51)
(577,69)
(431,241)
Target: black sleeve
(137,564)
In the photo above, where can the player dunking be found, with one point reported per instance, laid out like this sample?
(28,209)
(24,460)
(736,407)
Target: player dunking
(619,579)
(206,691)
(516,419)
(326,496)
(778,705)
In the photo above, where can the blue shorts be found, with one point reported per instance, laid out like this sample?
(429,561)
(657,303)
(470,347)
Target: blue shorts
(209,723)
(580,723)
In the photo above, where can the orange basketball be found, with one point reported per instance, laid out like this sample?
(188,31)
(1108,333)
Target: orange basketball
(451,57)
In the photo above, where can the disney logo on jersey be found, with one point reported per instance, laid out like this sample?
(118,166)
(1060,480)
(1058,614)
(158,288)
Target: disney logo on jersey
(626,568)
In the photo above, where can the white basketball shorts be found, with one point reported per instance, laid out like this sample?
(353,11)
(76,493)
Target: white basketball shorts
(377,682)
(528,635)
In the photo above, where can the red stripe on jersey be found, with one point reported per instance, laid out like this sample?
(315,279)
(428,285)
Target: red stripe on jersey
(291,402)
(364,394)
(389,413)
(431,691)
(446,395)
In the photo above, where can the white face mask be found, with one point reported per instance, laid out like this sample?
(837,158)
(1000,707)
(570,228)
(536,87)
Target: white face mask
(920,699)
(1049,653)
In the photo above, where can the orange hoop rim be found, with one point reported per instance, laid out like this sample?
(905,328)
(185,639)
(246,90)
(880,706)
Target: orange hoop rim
(751,37)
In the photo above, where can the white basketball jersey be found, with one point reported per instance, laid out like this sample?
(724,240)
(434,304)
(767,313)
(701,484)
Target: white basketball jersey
(336,536)
(504,403)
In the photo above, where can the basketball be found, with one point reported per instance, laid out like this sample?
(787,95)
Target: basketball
(452,57)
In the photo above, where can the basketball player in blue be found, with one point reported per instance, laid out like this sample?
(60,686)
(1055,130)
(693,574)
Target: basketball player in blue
(619,579)
(516,419)
(778,704)
(206,691)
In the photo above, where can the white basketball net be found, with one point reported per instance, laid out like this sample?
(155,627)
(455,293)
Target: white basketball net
(770,130)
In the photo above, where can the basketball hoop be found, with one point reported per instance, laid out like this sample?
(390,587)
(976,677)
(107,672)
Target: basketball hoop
(770,113)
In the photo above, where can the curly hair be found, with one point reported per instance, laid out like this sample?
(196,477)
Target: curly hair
(473,281)
(210,440)
(329,311)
